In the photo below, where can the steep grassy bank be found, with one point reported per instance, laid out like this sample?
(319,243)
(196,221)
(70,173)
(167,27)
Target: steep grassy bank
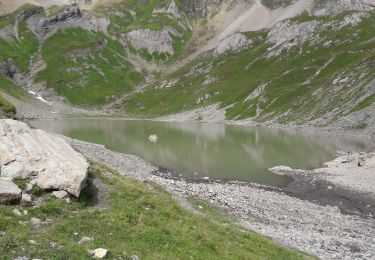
(128,218)
(7,109)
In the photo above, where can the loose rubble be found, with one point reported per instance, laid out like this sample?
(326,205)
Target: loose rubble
(305,225)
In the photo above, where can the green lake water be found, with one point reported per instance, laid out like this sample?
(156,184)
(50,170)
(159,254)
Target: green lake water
(218,151)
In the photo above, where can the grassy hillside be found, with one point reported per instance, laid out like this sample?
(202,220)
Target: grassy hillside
(328,71)
(130,15)
(87,68)
(128,218)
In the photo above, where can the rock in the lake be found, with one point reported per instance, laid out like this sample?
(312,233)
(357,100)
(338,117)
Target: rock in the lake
(26,152)
(99,253)
(153,138)
(9,192)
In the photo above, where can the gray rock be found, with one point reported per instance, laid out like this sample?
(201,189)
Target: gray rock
(70,17)
(35,222)
(234,42)
(84,240)
(26,198)
(158,41)
(60,194)
(99,253)
(9,192)
(17,212)
(29,152)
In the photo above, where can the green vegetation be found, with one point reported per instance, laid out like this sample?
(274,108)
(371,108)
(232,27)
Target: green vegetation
(87,68)
(7,87)
(7,109)
(131,15)
(365,103)
(297,84)
(21,183)
(131,218)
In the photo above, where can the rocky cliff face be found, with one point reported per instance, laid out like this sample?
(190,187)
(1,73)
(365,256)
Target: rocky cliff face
(198,8)
(154,41)
(70,17)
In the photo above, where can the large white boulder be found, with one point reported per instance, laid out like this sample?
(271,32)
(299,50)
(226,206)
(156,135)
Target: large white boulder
(9,192)
(27,152)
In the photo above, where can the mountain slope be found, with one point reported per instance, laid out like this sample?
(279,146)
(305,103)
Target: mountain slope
(279,61)
(305,69)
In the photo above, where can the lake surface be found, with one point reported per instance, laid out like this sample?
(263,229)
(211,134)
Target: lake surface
(218,151)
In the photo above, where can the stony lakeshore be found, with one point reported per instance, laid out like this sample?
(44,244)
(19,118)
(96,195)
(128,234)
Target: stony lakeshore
(310,214)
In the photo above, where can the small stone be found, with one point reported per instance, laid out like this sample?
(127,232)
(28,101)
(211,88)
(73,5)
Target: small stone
(16,212)
(26,198)
(53,244)
(35,222)
(29,187)
(84,240)
(99,253)
(329,187)
(32,242)
(60,194)
(134,257)
(25,212)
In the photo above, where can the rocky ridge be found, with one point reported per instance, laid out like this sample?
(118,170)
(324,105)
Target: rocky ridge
(71,17)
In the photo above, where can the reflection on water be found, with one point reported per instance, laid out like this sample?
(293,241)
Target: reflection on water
(216,150)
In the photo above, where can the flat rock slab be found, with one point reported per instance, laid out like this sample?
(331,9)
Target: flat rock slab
(26,152)
(9,192)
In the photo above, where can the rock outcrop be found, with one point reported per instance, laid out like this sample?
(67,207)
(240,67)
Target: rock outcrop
(286,34)
(171,9)
(154,41)
(334,7)
(46,158)
(234,42)
(198,8)
(9,192)
(71,17)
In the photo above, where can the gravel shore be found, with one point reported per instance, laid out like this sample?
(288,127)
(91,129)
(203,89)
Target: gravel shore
(289,217)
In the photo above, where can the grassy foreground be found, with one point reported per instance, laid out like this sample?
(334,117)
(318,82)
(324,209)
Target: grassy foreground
(128,218)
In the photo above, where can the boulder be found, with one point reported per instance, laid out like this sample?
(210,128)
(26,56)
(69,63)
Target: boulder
(26,152)
(99,253)
(61,194)
(9,192)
